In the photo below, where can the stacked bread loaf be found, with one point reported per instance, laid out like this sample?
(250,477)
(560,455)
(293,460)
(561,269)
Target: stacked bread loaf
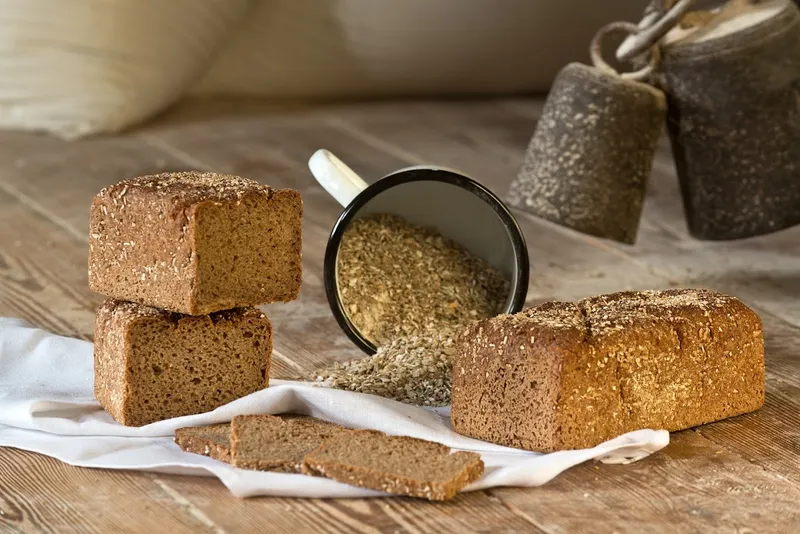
(184,258)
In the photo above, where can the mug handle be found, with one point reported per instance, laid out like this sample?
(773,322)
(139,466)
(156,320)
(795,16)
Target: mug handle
(339,180)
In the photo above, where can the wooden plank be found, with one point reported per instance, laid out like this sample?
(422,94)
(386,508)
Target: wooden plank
(43,276)
(782,342)
(692,486)
(769,437)
(471,512)
(59,178)
(39,494)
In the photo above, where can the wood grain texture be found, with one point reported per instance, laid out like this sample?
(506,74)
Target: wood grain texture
(770,437)
(736,475)
(43,272)
(39,494)
(692,486)
(470,512)
(60,179)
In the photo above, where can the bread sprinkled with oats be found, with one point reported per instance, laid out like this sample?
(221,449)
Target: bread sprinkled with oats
(195,242)
(394,464)
(572,375)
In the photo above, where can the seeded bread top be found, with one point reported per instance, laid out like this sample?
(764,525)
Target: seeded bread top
(620,310)
(638,302)
(551,315)
(188,187)
(595,316)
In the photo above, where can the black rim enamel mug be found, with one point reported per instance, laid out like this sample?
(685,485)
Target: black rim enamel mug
(452,203)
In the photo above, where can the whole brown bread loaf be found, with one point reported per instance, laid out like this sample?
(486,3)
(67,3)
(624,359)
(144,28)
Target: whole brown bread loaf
(195,242)
(150,364)
(572,375)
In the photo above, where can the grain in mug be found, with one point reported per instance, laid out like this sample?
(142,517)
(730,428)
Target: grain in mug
(410,291)
(396,278)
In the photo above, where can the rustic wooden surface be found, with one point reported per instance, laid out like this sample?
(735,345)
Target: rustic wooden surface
(739,475)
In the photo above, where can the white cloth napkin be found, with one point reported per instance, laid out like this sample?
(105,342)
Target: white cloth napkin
(47,405)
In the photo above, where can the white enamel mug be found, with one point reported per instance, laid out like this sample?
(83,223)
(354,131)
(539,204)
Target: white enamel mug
(455,205)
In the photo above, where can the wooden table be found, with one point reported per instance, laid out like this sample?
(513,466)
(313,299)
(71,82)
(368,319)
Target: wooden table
(739,475)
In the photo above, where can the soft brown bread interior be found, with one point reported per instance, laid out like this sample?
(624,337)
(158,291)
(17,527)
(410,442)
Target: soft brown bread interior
(211,440)
(568,376)
(271,443)
(154,365)
(195,365)
(248,252)
(394,464)
(492,384)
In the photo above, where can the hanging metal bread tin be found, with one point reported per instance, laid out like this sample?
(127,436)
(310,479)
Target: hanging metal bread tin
(588,162)
(733,89)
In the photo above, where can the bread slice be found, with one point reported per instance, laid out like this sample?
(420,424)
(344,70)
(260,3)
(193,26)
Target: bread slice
(395,464)
(213,440)
(271,443)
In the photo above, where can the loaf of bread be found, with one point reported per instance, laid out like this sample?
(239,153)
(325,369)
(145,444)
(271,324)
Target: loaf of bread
(151,364)
(195,243)
(569,376)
